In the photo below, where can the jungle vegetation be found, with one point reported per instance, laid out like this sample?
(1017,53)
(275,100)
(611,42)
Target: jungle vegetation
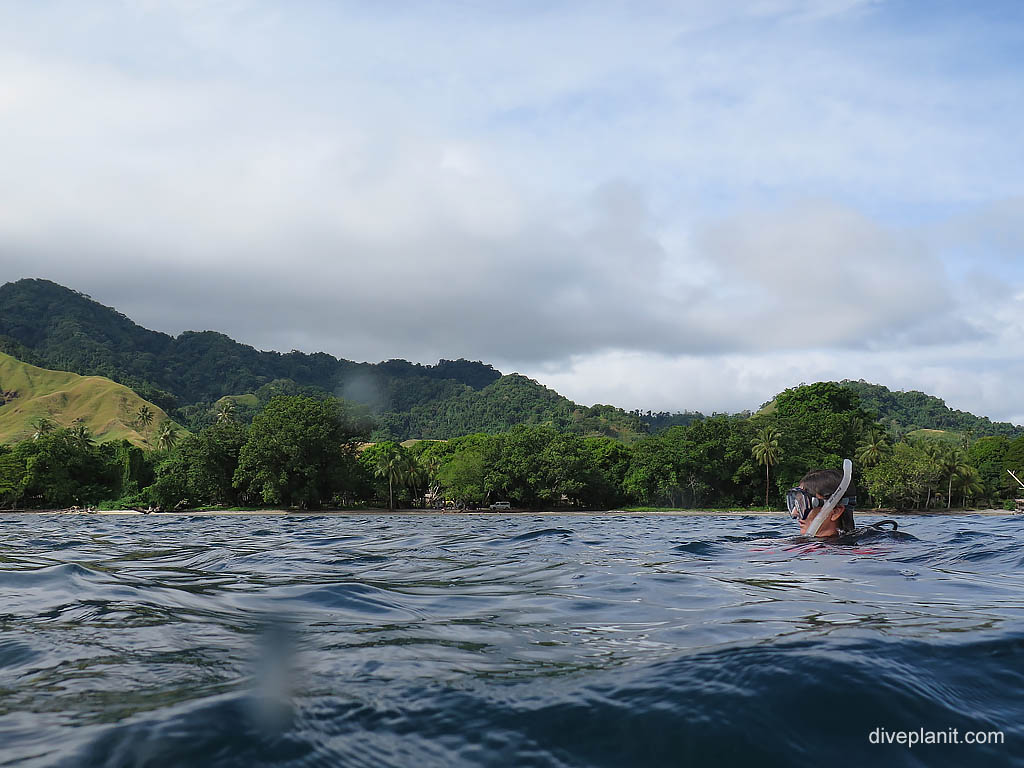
(307,452)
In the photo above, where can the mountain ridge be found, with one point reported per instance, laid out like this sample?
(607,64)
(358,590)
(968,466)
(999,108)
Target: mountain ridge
(63,329)
(52,326)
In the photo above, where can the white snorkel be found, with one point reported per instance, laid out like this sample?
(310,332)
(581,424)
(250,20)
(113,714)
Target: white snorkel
(833,500)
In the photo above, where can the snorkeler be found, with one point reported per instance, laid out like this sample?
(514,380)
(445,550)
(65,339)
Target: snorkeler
(823,505)
(823,502)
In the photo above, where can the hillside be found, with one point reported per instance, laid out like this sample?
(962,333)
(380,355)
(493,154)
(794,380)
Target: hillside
(58,328)
(108,409)
(904,412)
(917,414)
(54,327)
(512,400)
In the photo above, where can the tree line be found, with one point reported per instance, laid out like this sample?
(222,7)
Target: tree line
(312,452)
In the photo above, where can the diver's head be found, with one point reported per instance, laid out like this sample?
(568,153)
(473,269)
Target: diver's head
(806,502)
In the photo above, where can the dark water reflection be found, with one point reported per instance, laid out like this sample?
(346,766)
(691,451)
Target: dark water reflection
(506,640)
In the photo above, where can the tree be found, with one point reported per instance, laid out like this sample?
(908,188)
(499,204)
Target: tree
(81,435)
(463,466)
(389,462)
(967,481)
(431,469)
(168,436)
(608,462)
(1013,459)
(714,461)
(199,469)
(987,455)
(931,452)
(225,411)
(62,469)
(765,448)
(653,475)
(820,426)
(536,466)
(951,461)
(131,469)
(565,471)
(41,427)
(873,447)
(144,417)
(300,451)
(12,476)
(415,476)
(901,477)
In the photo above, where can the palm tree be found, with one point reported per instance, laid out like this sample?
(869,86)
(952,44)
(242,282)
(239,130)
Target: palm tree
(411,473)
(144,416)
(225,411)
(953,463)
(41,426)
(967,480)
(168,436)
(765,448)
(431,468)
(81,436)
(934,453)
(966,437)
(872,448)
(389,464)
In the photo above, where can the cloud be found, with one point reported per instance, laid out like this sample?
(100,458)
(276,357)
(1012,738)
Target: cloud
(820,275)
(539,185)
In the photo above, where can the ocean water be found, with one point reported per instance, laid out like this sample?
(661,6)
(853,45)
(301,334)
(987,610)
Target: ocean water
(506,640)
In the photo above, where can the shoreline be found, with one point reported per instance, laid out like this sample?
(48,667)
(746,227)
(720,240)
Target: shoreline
(503,513)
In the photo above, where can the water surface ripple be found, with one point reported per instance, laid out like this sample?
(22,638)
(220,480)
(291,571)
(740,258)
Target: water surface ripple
(446,640)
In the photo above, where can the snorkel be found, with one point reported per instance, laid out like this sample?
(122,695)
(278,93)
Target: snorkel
(833,500)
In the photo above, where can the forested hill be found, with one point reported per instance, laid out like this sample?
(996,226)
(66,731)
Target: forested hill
(903,412)
(54,327)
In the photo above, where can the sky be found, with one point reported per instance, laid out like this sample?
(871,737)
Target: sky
(659,205)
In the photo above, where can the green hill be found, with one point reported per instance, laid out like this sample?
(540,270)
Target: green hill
(917,414)
(906,412)
(58,328)
(511,400)
(188,376)
(107,408)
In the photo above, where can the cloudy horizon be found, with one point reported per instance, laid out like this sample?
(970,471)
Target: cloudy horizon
(684,208)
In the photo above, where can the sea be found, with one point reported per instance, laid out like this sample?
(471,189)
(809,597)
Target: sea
(508,640)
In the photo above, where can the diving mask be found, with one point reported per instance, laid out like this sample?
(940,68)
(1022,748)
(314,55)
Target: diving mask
(801,502)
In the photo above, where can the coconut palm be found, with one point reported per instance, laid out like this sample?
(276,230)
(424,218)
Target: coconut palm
(417,475)
(225,411)
(765,448)
(41,426)
(167,437)
(967,481)
(144,416)
(949,460)
(953,462)
(431,468)
(389,464)
(934,453)
(81,436)
(873,448)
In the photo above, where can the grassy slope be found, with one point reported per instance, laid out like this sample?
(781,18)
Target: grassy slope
(107,408)
(937,435)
